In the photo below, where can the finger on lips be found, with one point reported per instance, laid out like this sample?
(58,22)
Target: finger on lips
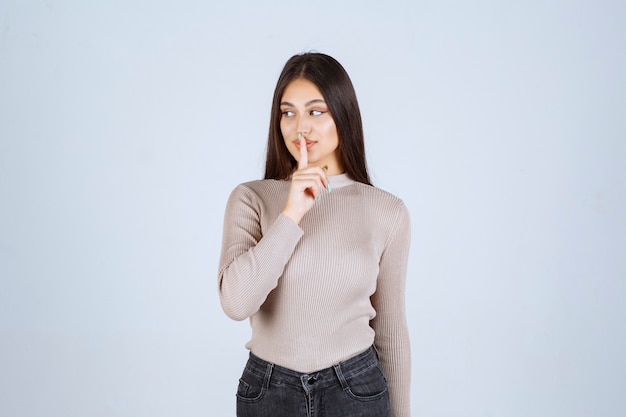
(319,175)
(304,160)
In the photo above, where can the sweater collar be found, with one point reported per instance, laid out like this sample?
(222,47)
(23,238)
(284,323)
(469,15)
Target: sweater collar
(341,180)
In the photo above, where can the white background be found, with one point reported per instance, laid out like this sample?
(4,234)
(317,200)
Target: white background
(124,125)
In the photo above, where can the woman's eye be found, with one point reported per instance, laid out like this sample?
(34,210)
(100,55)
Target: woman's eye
(317,112)
(287,113)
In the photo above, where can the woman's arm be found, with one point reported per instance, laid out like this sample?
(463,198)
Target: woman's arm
(392,336)
(252,261)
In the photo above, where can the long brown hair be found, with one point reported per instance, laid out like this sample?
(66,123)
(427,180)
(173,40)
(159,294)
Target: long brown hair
(334,83)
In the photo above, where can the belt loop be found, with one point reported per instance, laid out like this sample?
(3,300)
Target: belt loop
(268,374)
(342,380)
(376,352)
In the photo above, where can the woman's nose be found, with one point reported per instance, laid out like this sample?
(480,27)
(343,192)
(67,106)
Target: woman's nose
(303,125)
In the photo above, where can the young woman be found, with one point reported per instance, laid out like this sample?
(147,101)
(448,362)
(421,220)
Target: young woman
(316,257)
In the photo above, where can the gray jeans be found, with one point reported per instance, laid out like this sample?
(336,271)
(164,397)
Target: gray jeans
(355,387)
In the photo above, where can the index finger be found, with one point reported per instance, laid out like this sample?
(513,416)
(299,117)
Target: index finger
(304,156)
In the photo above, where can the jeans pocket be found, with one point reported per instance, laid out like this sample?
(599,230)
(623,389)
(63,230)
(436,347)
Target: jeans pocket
(367,385)
(251,387)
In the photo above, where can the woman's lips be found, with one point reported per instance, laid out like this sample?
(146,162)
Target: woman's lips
(309,143)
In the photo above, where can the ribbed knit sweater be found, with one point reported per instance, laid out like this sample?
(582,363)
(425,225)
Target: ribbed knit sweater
(325,290)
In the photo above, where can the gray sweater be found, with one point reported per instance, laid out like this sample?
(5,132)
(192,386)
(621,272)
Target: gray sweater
(325,290)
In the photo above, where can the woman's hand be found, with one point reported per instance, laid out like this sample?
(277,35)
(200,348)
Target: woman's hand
(306,185)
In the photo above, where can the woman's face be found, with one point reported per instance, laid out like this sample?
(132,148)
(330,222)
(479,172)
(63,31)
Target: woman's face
(303,110)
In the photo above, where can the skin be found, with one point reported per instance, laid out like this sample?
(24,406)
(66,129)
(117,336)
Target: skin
(311,137)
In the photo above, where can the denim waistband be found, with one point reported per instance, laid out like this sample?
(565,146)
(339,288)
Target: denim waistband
(278,375)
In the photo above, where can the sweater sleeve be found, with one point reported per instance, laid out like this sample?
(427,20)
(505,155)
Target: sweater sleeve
(252,259)
(392,337)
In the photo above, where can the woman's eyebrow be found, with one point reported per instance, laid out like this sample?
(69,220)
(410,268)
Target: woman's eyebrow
(308,103)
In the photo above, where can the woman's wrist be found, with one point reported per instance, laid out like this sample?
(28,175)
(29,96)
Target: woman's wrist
(295,217)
